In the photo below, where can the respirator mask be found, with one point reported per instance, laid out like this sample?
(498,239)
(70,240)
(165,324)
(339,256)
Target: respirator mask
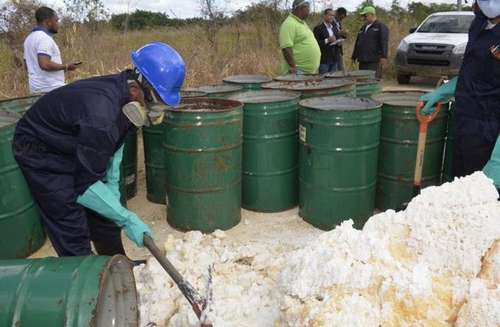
(154,110)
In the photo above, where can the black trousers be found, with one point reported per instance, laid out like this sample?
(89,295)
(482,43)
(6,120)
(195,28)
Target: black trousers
(70,226)
(471,155)
(104,234)
(375,66)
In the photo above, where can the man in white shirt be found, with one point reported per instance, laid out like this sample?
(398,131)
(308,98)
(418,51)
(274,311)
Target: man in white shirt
(42,56)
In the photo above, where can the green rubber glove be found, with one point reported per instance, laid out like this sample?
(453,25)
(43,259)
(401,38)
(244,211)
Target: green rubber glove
(100,198)
(492,168)
(442,94)
(112,177)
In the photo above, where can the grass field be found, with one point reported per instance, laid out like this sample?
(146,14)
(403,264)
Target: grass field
(239,48)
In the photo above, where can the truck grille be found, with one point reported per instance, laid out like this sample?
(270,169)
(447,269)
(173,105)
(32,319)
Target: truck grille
(428,62)
(430,54)
(431,49)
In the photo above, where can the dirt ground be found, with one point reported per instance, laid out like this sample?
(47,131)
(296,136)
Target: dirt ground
(252,224)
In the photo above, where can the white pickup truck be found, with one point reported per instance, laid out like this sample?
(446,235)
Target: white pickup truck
(435,48)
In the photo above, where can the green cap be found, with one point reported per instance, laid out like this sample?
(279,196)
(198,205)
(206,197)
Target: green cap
(368,10)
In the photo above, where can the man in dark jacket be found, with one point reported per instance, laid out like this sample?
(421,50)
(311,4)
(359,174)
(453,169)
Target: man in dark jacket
(340,15)
(69,146)
(371,48)
(325,35)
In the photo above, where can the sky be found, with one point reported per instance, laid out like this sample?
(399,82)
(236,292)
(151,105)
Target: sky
(191,8)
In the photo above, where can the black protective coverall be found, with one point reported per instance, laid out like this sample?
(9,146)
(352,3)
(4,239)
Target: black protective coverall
(63,145)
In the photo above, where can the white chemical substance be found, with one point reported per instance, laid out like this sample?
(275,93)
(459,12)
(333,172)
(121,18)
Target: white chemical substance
(482,303)
(482,308)
(420,267)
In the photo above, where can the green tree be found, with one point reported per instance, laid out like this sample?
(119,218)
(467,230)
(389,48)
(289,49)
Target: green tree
(139,20)
(86,11)
(396,10)
(17,18)
(214,17)
(366,3)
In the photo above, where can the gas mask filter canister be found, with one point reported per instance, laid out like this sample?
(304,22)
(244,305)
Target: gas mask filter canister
(136,113)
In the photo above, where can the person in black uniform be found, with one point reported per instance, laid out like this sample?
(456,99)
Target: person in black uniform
(69,146)
(477,97)
(372,43)
(327,40)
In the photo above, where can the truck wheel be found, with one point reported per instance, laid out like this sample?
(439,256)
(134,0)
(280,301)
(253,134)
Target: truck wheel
(403,78)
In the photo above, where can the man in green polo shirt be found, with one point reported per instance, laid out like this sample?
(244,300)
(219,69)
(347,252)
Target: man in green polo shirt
(297,42)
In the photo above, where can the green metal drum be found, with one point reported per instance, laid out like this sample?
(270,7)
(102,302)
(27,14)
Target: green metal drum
(154,157)
(21,231)
(248,82)
(449,147)
(154,161)
(355,74)
(339,139)
(398,149)
(192,94)
(277,85)
(18,105)
(87,291)
(221,91)
(129,164)
(269,150)
(327,87)
(202,143)
(366,88)
(299,78)
(122,188)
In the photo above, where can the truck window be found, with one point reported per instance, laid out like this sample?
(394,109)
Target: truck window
(447,24)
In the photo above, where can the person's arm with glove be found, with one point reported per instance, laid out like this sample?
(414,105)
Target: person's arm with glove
(442,94)
(492,168)
(96,144)
(100,198)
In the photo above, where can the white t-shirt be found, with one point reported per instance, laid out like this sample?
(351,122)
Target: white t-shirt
(39,42)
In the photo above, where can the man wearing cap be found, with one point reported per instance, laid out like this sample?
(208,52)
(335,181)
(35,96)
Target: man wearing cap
(69,146)
(372,43)
(297,42)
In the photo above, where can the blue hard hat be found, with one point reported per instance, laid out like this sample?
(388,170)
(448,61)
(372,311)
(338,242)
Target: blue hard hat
(491,8)
(163,68)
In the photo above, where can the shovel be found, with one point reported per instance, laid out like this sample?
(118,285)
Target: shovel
(198,303)
(424,121)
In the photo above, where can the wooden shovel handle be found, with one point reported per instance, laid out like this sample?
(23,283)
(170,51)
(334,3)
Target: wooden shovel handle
(422,139)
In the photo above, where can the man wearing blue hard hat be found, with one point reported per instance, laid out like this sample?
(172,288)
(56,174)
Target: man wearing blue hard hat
(69,146)
(477,97)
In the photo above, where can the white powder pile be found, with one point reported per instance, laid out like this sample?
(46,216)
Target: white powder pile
(482,304)
(244,276)
(419,267)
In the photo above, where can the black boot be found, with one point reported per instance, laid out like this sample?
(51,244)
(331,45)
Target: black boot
(112,246)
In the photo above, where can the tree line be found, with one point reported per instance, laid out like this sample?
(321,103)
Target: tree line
(414,12)
(94,13)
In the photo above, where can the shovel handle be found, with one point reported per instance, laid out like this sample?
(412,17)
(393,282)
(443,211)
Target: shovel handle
(419,164)
(164,262)
(422,139)
(424,120)
(193,297)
